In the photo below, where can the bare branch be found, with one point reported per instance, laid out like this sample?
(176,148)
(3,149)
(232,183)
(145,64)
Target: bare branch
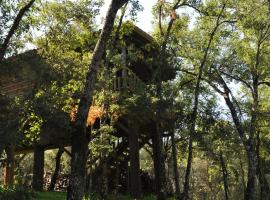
(160,19)
(264,83)
(237,78)
(196,9)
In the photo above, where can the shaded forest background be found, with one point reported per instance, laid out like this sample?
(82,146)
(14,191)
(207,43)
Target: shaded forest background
(206,98)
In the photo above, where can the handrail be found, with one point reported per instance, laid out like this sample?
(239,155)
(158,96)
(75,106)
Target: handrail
(129,82)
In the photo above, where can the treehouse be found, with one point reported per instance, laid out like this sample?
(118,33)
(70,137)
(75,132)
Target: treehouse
(138,64)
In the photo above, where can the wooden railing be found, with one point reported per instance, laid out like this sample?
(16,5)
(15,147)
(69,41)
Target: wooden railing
(128,82)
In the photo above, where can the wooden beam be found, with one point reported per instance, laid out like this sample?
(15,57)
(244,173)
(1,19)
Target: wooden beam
(38,169)
(135,178)
(9,167)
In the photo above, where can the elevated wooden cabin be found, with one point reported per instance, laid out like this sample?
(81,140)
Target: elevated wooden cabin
(132,75)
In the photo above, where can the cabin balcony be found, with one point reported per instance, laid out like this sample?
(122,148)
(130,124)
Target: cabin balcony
(126,81)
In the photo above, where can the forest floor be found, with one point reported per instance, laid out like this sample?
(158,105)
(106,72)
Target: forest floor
(62,196)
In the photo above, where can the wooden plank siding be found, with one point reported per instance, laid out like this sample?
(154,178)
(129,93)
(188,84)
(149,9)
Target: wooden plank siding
(16,88)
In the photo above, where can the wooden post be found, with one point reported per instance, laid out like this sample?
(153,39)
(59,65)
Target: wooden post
(9,168)
(38,169)
(135,182)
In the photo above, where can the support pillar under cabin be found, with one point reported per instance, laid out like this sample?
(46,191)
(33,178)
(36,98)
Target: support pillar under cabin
(9,167)
(135,182)
(38,168)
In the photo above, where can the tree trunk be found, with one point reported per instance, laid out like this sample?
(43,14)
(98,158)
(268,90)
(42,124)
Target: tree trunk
(128,178)
(250,151)
(195,105)
(104,180)
(252,170)
(265,191)
(117,177)
(57,168)
(80,137)
(185,194)
(225,176)
(38,168)
(242,173)
(158,151)
(14,27)
(175,167)
(264,186)
(253,131)
(159,163)
(135,182)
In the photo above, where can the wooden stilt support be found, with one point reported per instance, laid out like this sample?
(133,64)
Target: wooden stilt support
(38,169)
(135,182)
(9,168)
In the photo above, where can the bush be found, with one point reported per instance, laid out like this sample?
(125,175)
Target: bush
(17,193)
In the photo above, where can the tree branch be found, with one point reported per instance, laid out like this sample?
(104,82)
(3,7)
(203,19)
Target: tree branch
(160,19)
(13,28)
(197,9)
(237,78)
(264,83)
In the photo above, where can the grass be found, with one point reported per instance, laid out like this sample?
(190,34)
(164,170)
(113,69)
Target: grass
(62,196)
(50,196)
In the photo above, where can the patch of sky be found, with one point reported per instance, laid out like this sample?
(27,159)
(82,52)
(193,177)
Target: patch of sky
(144,17)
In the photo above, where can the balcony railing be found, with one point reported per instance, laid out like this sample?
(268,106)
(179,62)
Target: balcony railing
(128,82)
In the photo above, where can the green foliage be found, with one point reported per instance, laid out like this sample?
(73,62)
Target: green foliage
(8,11)
(17,193)
(9,121)
(238,50)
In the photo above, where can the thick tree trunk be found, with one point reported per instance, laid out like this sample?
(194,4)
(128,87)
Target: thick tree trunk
(78,167)
(265,190)
(264,186)
(57,168)
(135,182)
(250,151)
(80,137)
(225,176)
(249,147)
(104,190)
(175,167)
(13,28)
(38,168)
(116,180)
(253,131)
(252,170)
(242,173)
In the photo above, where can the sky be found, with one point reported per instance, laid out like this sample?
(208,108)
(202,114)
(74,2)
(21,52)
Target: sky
(145,17)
